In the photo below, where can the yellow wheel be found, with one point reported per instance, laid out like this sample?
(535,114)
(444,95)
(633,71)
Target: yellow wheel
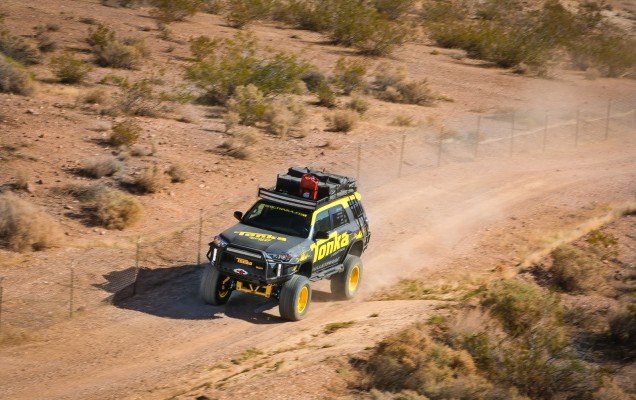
(295,298)
(214,288)
(345,285)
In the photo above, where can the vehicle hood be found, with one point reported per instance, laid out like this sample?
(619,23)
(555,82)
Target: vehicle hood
(261,239)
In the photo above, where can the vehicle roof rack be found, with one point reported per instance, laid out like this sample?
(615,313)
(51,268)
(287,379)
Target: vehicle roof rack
(286,199)
(287,190)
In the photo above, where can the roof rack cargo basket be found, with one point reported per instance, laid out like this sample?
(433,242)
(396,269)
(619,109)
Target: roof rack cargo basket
(291,191)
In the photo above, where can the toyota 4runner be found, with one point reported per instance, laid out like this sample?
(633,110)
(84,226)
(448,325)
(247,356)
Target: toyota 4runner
(310,226)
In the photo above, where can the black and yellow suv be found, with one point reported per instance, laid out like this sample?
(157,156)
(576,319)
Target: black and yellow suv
(310,226)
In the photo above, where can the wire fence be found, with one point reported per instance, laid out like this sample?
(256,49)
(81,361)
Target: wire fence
(31,302)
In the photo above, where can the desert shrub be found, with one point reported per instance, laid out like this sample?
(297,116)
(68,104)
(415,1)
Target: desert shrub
(386,75)
(151,180)
(602,244)
(415,92)
(411,360)
(349,75)
(250,104)
(403,120)
(212,6)
(138,98)
(359,105)
(110,52)
(174,10)
(101,166)
(235,63)
(45,41)
(311,15)
(14,77)
(95,96)
(177,173)
(444,11)
(231,119)
(118,55)
(342,120)
(125,133)
(283,115)
(240,142)
(519,306)
(612,54)
(202,47)
(622,326)
(239,13)
(84,193)
(18,48)
(326,95)
(115,209)
(69,69)
(137,150)
(24,227)
(385,37)
(577,270)
(394,9)
(313,79)
(360,25)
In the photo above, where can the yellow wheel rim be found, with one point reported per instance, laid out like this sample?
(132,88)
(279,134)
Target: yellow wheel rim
(354,279)
(303,299)
(223,293)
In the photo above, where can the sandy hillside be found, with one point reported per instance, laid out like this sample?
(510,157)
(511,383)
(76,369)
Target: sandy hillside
(455,214)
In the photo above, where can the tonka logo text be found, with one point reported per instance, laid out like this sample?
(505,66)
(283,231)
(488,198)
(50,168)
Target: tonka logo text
(330,246)
(261,237)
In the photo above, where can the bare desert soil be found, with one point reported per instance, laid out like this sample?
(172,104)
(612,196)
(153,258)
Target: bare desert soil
(469,219)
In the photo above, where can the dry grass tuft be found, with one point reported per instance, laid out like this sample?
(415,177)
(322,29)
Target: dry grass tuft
(25,227)
(101,166)
(14,77)
(177,173)
(151,181)
(125,133)
(115,209)
(577,270)
(238,145)
(342,120)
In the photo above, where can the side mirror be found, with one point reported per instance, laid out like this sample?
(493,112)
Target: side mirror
(238,215)
(321,235)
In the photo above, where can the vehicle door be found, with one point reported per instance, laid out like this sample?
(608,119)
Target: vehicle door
(331,251)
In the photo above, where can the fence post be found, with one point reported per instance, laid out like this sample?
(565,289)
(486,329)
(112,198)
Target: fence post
(401,156)
(576,132)
(512,134)
(477,135)
(1,279)
(439,147)
(137,252)
(359,160)
(607,123)
(70,307)
(200,237)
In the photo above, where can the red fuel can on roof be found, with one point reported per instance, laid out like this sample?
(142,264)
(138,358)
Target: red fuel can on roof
(309,187)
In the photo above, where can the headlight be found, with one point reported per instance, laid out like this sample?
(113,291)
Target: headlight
(219,241)
(284,257)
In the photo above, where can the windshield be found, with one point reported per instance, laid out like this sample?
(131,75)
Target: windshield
(287,221)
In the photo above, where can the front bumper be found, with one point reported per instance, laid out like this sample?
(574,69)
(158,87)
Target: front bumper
(250,265)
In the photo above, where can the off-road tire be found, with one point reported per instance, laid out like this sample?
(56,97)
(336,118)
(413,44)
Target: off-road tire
(211,287)
(295,297)
(345,285)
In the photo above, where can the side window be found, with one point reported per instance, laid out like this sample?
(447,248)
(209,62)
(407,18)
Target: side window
(322,222)
(356,207)
(338,216)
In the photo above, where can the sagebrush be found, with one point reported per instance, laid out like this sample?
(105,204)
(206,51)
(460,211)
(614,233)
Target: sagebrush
(23,226)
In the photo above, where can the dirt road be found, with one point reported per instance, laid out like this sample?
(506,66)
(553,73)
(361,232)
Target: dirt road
(166,342)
